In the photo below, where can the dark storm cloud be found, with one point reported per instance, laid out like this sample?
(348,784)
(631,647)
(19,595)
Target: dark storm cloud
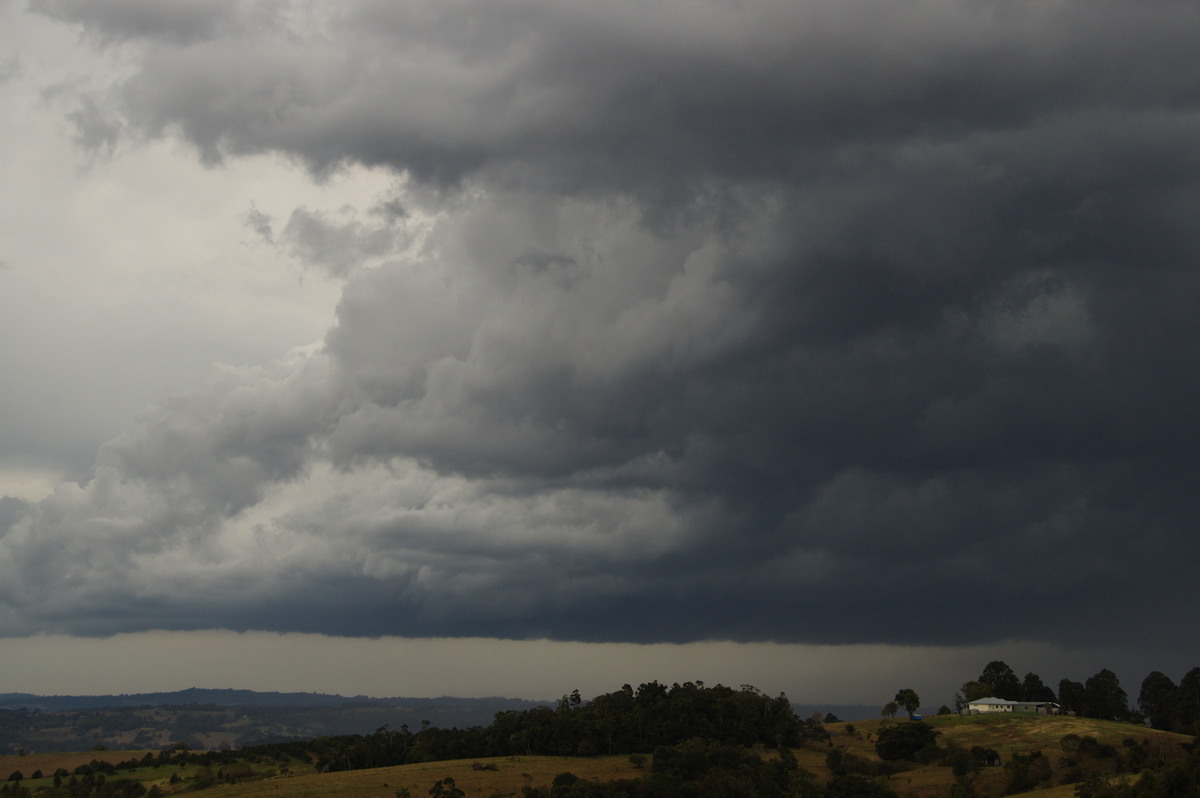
(783,321)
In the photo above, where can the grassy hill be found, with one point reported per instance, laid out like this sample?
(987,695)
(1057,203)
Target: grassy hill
(1006,734)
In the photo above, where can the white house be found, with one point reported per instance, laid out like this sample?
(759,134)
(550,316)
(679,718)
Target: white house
(983,706)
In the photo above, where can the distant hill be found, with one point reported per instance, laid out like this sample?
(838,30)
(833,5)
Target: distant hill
(253,698)
(227,718)
(208,718)
(246,698)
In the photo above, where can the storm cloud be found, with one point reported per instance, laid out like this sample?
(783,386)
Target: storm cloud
(802,322)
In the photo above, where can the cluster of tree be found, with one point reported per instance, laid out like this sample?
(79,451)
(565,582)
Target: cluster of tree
(1172,707)
(1181,780)
(623,722)
(906,699)
(1162,703)
(92,785)
(998,680)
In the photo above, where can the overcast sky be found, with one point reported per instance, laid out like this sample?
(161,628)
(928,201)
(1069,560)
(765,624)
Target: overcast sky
(846,344)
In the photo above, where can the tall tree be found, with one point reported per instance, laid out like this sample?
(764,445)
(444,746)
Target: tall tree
(1159,701)
(1104,697)
(908,699)
(1032,689)
(973,691)
(1071,696)
(1003,681)
(1189,702)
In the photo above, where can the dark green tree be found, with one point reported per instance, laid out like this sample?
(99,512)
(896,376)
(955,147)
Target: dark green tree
(970,691)
(909,700)
(1104,697)
(889,709)
(1071,696)
(1027,771)
(1159,701)
(1032,689)
(973,691)
(1002,680)
(1189,701)
(904,740)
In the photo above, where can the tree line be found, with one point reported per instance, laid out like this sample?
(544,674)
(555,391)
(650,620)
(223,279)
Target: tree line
(621,722)
(1160,702)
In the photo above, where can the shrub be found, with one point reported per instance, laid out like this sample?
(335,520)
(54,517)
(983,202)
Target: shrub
(904,740)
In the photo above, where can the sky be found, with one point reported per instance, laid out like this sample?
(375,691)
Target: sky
(512,347)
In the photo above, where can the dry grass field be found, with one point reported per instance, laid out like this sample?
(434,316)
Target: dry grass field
(1006,734)
(48,763)
(511,774)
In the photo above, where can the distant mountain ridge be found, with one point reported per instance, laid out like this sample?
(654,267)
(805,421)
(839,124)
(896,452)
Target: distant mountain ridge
(203,718)
(245,698)
(229,697)
(209,718)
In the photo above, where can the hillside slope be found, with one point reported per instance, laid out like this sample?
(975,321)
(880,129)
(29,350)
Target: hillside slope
(1113,748)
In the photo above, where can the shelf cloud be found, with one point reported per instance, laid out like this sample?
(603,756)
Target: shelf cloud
(796,322)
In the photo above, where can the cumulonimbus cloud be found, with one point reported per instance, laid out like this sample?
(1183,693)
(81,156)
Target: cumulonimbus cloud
(780,321)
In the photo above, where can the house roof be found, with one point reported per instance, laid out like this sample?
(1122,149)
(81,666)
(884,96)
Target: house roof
(1002,702)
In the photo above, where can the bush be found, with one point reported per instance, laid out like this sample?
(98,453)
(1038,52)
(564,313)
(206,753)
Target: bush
(904,740)
(985,757)
(929,755)
(1026,771)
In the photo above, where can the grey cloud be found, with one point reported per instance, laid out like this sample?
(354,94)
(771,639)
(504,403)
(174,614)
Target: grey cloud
(338,246)
(10,68)
(118,20)
(657,102)
(335,243)
(784,323)
(262,224)
(392,210)
(97,130)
